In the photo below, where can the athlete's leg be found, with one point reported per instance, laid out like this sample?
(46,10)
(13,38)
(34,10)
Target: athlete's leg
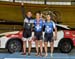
(45,46)
(52,47)
(37,49)
(37,43)
(29,47)
(24,46)
(41,47)
(45,43)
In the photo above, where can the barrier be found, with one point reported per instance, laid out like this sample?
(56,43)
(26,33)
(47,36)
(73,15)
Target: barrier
(41,2)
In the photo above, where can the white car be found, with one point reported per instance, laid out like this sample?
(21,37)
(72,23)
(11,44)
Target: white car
(13,40)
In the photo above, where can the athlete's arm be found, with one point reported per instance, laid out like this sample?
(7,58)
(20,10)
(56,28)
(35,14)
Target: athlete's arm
(32,22)
(43,25)
(54,26)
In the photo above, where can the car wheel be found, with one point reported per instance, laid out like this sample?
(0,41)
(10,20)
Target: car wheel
(65,46)
(14,45)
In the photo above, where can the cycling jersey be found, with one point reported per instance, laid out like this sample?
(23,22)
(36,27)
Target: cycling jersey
(38,25)
(27,27)
(28,23)
(49,26)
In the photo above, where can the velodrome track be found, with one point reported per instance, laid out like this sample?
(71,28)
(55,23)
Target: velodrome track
(57,55)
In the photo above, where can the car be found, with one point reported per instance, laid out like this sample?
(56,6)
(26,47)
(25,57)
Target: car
(65,39)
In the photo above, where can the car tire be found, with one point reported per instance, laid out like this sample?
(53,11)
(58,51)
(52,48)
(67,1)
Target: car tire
(65,46)
(14,45)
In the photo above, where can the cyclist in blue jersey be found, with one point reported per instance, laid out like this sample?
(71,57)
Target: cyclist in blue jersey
(49,37)
(38,24)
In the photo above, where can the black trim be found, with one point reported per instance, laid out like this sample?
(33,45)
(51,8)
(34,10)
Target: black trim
(7,22)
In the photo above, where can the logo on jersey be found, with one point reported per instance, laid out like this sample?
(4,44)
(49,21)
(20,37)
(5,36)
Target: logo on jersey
(48,28)
(38,27)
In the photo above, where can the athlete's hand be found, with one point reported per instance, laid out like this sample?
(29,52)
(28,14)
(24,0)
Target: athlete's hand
(55,37)
(33,38)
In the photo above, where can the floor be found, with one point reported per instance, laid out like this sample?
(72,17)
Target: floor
(56,55)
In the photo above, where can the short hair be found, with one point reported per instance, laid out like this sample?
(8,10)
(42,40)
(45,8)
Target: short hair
(29,11)
(39,12)
(49,14)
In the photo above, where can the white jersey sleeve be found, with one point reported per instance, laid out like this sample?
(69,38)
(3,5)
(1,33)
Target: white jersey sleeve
(25,20)
(53,24)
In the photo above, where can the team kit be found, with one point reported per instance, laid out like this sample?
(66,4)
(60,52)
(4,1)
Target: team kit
(39,23)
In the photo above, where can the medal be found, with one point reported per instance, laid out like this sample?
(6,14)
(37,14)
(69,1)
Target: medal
(28,24)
